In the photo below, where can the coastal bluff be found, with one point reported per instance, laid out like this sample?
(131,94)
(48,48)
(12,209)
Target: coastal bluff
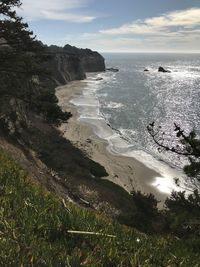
(70,63)
(29,120)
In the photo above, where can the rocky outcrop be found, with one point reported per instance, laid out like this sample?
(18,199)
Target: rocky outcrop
(112,69)
(161,69)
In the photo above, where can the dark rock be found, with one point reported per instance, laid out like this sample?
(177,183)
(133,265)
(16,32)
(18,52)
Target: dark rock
(112,69)
(161,69)
(146,70)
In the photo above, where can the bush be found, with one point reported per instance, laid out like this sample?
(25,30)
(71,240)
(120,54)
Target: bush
(182,216)
(97,170)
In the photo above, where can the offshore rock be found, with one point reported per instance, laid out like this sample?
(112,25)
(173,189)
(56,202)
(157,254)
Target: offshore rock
(112,69)
(161,69)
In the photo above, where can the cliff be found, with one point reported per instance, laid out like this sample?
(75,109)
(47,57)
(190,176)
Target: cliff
(91,61)
(71,63)
(29,115)
(65,68)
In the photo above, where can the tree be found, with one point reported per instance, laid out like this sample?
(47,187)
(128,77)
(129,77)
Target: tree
(182,214)
(22,74)
(6,7)
(187,145)
(20,51)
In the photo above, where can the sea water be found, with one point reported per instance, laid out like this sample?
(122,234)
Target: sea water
(120,105)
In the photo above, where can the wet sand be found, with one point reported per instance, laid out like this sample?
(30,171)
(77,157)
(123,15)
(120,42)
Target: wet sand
(127,172)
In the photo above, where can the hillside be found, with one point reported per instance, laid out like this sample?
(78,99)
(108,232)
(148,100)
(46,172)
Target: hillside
(56,207)
(35,231)
(29,116)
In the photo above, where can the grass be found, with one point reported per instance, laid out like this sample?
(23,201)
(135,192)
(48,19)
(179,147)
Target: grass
(34,228)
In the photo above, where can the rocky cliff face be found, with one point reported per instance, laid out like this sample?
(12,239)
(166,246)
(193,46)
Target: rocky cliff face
(65,68)
(37,93)
(71,63)
(91,61)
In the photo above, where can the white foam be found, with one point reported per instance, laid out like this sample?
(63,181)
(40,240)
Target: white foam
(114,105)
(100,128)
(88,118)
(85,101)
(177,72)
(89,109)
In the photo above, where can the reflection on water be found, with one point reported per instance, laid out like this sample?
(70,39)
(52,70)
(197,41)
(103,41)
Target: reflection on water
(120,107)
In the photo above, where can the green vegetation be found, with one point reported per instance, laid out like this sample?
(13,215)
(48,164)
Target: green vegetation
(47,104)
(60,155)
(114,187)
(146,217)
(34,232)
(182,216)
(185,144)
(34,224)
(23,74)
(97,170)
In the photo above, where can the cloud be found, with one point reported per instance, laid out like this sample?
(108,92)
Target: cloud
(156,25)
(65,10)
(101,42)
(177,31)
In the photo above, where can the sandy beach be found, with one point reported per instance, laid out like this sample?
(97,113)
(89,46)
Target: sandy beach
(127,172)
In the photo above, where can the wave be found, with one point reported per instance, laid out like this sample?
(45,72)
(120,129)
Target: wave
(118,142)
(113,105)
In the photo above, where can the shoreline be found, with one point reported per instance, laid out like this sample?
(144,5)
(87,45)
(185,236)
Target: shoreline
(124,171)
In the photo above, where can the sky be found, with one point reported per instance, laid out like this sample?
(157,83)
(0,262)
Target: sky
(116,25)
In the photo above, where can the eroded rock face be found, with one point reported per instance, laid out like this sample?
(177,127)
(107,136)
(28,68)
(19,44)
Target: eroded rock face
(91,61)
(65,68)
(63,65)
(71,63)
(14,115)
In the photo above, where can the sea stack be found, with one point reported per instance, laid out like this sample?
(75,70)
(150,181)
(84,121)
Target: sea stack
(161,69)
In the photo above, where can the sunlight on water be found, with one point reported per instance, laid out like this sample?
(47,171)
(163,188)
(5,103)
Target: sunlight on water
(119,106)
(165,184)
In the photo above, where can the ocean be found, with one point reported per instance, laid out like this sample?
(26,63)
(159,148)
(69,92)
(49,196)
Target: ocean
(120,105)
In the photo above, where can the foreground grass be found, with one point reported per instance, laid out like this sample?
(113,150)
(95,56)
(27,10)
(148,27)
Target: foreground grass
(34,228)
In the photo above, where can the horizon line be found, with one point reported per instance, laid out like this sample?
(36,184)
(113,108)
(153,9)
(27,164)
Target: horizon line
(150,52)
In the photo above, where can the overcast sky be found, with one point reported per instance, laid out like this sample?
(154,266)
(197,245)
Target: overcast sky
(117,25)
